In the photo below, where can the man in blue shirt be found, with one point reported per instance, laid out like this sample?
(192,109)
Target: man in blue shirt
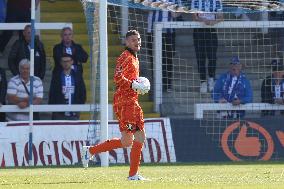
(233,87)
(206,40)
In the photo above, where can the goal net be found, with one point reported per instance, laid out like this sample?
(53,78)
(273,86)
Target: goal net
(180,56)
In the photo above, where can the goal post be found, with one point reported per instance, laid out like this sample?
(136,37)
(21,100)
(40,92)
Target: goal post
(103,78)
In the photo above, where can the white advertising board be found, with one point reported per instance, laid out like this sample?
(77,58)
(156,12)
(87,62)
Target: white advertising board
(60,143)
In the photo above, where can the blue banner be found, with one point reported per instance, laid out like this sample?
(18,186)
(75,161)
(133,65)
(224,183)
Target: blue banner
(251,139)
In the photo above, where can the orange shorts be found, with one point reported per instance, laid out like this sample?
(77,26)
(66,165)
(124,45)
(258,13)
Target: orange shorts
(130,117)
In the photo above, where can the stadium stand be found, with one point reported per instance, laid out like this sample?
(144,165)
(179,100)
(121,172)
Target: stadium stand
(58,11)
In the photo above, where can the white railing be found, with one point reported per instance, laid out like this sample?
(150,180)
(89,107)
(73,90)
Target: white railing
(199,109)
(38,26)
(58,108)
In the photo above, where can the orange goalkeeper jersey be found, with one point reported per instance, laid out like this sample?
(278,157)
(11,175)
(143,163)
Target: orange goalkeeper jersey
(125,102)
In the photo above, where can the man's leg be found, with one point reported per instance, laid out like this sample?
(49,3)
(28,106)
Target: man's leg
(199,45)
(135,154)
(88,151)
(211,51)
(105,146)
(125,141)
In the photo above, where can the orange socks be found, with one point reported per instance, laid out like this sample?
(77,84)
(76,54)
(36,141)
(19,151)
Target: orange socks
(135,156)
(106,146)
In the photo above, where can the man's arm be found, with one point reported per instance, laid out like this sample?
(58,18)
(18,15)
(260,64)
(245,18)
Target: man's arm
(42,60)
(81,89)
(217,91)
(37,100)
(20,102)
(57,54)
(248,93)
(52,89)
(266,94)
(120,71)
(38,90)
(81,55)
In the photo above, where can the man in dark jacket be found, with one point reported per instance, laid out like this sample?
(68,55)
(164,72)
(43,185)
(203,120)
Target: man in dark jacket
(21,50)
(17,12)
(272,88)
(67,87)
(3,92)
(68,46)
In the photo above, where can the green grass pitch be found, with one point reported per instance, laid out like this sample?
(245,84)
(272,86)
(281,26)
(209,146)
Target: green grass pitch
(254,175)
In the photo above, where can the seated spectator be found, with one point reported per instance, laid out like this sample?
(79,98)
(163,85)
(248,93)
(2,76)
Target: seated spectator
(21,50)
(3,91)
(68,46)
(272,88)
(67,87)
(18,92)
(233,87)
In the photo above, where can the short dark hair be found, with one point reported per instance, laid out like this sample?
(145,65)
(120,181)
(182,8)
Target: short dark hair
(277,65)
(131,32)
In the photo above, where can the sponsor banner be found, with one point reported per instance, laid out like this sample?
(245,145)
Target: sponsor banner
(60,143)
(251,139)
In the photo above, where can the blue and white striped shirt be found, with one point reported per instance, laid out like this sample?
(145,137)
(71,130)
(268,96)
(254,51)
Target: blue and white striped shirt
(207,6)
(161,16)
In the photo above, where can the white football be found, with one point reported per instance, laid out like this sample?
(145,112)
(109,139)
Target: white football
(144,84)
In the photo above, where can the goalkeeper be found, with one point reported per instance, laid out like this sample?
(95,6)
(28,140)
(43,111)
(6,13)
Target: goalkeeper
(126,107)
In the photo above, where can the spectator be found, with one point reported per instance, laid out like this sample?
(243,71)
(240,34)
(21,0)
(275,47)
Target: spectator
(21,50)
(18,92)
(233,87)
(68,46)
(17,12)
(3,91)
(67,87)
(277,34)
(168,39)
(206,40)
(272,88)
(2,11)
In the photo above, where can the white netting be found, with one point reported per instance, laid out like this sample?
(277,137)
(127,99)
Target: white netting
(251,30)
